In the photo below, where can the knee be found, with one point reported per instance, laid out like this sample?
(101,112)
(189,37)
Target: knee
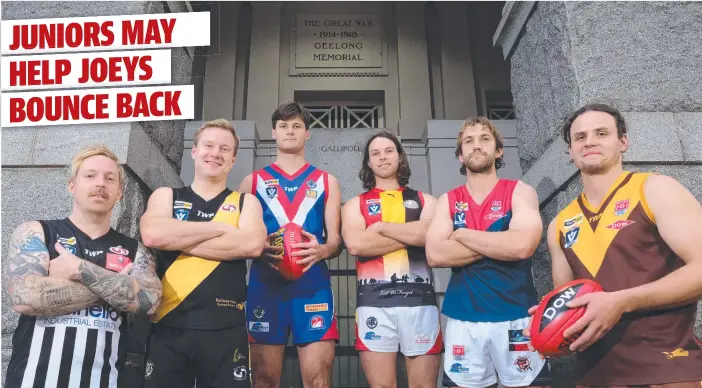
(386,384)
(264,380)
(320,380)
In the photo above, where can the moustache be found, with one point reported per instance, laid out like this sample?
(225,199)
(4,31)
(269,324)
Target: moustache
(98,193)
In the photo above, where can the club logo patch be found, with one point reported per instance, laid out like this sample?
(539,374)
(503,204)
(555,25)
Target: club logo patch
(182,214)
(411,204)
(271,192)
(228,208)
(317,322)
(621,207)
(374,209)
(571,237)
(496,206)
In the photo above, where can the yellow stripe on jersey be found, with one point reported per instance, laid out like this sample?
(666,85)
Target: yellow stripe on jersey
(187,271)
(393,210)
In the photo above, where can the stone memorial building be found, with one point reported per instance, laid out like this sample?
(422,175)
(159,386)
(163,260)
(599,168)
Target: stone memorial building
(414,68)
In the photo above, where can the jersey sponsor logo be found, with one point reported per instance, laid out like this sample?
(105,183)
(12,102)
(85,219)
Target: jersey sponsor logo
(494,216)
(371,336)
(238,356)
(461,206)
(571,236)
(372,200)
(102,317)
(204,215)
(271,182)
(459,368)
(374,209)
(118,250)
(421,339)
(313,308)
(496,206)
(68,243)
(311,184)
(92,253)
(621,207)
(115,262)
(517,341)
(372,322)
(241,373)
(291,189)
(459,351)
(261,327)
(459,220)
(317,322)
(571,222)
(182,214)
(228,208)
(311,194)
(271,192)
(617,225)
(676,353)
(182,205)
(523,363)
(411,204)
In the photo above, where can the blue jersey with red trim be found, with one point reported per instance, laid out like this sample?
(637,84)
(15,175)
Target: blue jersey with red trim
(488,290)
(300,198)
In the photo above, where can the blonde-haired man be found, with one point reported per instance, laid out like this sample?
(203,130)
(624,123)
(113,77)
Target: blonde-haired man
(486,231)
(72,280)
(203,234)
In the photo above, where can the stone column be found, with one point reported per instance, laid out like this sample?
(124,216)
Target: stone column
(220,73)
(415,97)
(264,65)
(641,58)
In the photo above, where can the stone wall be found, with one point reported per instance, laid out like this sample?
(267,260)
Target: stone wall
(640,57)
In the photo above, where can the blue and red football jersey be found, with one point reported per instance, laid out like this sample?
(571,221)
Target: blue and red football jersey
(488,290)
(298,198)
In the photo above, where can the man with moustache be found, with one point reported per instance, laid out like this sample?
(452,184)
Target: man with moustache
(486,231)
(292,190)
(203,234)
(73,281)
(639,235)
(385,228)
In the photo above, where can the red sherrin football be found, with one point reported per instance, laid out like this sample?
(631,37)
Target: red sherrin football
(552,317)
(285,237)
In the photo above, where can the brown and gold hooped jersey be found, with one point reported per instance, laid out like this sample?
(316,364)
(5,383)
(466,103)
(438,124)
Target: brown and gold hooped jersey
(618,245)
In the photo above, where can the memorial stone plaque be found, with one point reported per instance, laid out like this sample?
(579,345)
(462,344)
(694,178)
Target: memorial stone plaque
(338,43)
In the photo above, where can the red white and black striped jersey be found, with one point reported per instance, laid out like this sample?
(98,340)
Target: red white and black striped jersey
(83,349)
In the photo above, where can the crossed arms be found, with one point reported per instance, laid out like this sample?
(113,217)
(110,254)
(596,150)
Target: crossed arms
(34,290)
(382,238)
(449,248)
(208,240)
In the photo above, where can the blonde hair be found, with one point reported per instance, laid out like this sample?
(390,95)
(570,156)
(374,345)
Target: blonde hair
(222,124)
(95,150)
(485,122)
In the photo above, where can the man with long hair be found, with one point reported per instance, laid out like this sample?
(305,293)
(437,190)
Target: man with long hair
(292,190)
(638,235)
(73,280)
(203,234)
(397,309)
(486,231)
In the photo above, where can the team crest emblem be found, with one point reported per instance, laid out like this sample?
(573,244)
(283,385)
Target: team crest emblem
(228,208)
(182,214)
(411,204)
(118,250)
(571,237)
(459,351)
(496,206)
(523,363)
(312,184)
(259,312)
(374,209)
(621,207)
(317,322)
(271,192)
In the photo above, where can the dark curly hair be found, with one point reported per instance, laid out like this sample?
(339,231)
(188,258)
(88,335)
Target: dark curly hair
(291,110)
(618,118)
(403,171)
(485,122)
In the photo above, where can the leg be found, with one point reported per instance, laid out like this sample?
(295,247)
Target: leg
(268,316)
(467,361)
(380,368)
(266,365)
(421,343)
(316,362)
(516,365)
(377,342)
(168,359)
(222,358)
(315,332)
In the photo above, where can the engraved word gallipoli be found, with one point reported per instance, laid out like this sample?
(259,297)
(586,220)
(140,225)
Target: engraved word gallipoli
(330,40)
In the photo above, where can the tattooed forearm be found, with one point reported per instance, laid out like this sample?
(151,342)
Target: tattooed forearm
(138,292)
(31,292)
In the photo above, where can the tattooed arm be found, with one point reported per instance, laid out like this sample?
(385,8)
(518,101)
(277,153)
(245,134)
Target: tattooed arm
(30,289)
(140,291)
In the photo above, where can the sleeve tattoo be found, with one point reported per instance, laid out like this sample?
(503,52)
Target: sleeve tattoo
(30,289)
(140,291)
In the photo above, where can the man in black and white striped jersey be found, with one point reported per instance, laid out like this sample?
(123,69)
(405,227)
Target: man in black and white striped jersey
(73,280)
